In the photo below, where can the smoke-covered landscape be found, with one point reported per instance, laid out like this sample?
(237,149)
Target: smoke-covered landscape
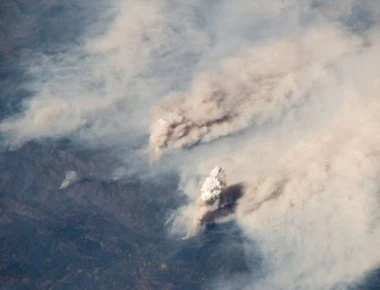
(113,113)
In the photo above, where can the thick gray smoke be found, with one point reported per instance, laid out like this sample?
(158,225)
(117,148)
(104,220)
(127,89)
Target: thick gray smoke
(292,85)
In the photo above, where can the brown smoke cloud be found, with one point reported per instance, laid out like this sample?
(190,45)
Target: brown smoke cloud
(298,80)
(311,181)
(260,84)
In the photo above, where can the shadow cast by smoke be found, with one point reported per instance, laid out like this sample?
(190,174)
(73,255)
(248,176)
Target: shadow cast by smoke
(226,204)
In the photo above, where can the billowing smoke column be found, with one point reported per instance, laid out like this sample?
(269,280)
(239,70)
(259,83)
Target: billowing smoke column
(216,200)
(210,194)
(260,85)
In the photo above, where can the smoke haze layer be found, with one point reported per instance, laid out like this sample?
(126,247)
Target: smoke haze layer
(291,86)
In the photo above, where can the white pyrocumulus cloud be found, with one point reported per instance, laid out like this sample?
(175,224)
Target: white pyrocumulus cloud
(292,85)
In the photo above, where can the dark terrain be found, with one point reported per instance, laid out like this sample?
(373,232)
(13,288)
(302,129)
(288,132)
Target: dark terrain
(97,233)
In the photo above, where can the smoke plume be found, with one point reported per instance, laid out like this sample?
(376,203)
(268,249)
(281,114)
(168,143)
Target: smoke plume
(70,178)
(292,87)
(260,84)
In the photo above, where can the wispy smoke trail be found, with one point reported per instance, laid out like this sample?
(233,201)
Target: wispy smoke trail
(117,73)
(70,177)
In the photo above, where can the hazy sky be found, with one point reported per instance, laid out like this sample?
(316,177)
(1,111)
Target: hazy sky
(283,94)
